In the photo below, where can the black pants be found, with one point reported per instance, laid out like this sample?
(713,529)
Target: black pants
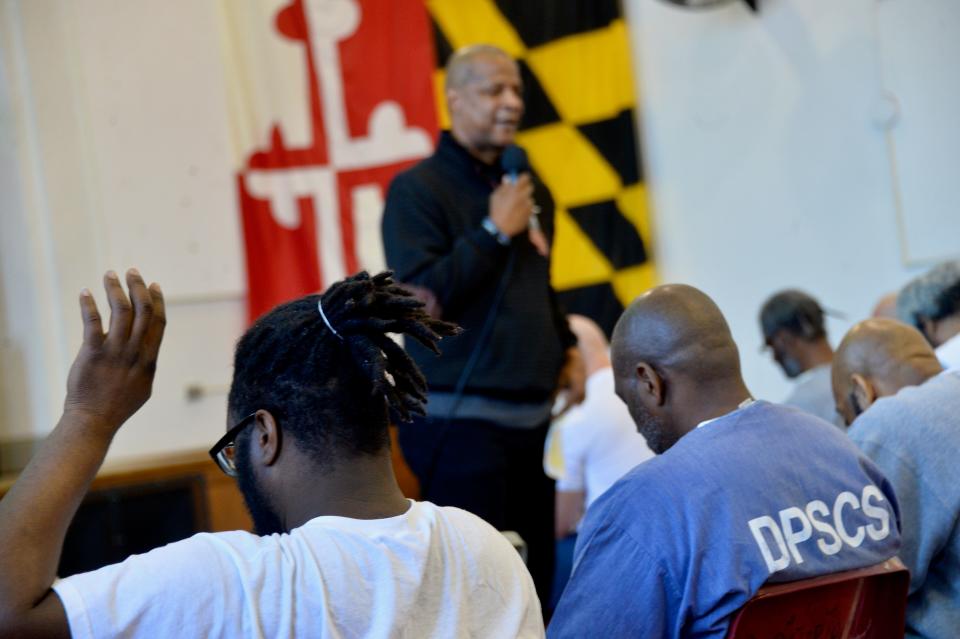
(492,471)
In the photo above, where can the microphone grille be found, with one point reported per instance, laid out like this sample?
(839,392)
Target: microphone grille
(514,159)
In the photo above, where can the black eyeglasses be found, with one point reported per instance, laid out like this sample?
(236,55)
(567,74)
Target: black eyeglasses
(224,451)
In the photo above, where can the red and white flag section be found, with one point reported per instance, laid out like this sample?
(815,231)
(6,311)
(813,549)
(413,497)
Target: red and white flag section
(311,213)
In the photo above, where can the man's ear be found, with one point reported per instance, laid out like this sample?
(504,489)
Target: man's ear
(265,438)
(864,392)
(787,342)
(930,329)
(651,384)
(453,100)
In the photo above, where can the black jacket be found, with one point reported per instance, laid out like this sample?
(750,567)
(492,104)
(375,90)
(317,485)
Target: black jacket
(433,238)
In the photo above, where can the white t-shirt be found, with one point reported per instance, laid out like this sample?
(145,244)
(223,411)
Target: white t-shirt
(813,393)
(430,572)
(949,353)
(598,440)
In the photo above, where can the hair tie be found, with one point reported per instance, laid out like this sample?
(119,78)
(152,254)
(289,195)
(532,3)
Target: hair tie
(326,321)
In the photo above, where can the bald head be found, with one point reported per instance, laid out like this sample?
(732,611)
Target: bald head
(877,358)
(461,67)
(677,328)
(675,363)
(886,307)
(591,341)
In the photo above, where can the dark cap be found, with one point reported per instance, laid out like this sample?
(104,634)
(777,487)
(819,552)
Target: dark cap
(795,312)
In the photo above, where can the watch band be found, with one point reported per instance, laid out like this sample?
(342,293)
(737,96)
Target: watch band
(502,238)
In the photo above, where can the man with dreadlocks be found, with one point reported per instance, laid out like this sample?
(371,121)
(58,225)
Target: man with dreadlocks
(338,552)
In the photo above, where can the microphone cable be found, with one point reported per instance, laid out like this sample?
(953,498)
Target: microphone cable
(467,371)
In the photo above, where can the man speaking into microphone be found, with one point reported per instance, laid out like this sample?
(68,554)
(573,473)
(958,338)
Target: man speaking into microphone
(457,227)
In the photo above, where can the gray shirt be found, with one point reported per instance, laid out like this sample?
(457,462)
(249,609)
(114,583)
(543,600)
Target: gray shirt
(914,437)
(813,393)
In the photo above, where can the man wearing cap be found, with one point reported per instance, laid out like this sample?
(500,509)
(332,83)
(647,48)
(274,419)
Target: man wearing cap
(931,303)
(793,329)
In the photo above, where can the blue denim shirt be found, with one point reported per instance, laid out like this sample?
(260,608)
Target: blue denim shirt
(766,493)
(914,437)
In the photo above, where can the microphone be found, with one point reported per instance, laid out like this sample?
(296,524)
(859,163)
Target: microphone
(514,162)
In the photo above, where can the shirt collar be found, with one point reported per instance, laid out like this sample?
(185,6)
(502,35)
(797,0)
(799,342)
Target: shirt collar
(452,150)
(807,374)
(747,402)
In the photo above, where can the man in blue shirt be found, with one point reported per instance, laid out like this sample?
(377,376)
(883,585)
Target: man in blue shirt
(742,492)
(904,412)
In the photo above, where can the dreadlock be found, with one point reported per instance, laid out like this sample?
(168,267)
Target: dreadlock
(333,381)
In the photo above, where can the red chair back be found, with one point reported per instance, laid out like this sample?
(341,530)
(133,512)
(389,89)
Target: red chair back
(869,603)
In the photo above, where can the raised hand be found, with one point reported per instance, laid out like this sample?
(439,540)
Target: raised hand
(112,375)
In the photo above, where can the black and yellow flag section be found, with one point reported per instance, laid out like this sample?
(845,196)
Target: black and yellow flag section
(579,131)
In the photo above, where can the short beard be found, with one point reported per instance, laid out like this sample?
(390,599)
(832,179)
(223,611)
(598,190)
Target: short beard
(265,519)
(652,430)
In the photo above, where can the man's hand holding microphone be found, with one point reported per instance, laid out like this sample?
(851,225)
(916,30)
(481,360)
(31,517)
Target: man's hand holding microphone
(512,208)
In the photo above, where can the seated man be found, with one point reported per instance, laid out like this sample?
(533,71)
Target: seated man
(340,551)
(905,415)
(596,443)
(742,492)
(931,302)
(597,440)
(793,328)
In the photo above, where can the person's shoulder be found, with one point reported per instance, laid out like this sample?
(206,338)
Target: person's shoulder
(637,509)
(790,418)
(794,431)
(418,173)
(481,544)
(235,539)
(940,390)
(944,386)
(239,546)
(777,413)
(420,185)
(708,450)
(760,438)
(879,420)
(201,556)
(465,523)
(638,490)
(931,406)
(939,393)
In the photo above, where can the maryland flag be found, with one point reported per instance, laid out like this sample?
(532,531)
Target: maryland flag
(369,69)
(311,203)
(579,131)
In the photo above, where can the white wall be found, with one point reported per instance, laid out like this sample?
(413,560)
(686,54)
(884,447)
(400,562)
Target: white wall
(768,157)
(123,123)
(118,152)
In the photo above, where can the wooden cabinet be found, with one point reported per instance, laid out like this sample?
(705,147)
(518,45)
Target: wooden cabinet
(136,506)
